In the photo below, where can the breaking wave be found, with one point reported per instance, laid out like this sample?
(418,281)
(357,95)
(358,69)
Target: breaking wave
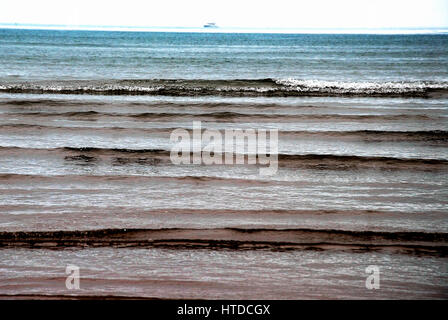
(238,87)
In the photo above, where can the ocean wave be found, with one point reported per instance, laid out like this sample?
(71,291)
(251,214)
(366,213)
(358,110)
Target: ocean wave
(122,156)
(375,135)
(233,116)
(237,87)
(235,239)
(364,88)
(370,135)
(128,232)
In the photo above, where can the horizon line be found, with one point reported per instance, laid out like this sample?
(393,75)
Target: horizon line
(198,29)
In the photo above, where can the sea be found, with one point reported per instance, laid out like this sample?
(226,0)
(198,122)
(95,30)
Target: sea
(86,178)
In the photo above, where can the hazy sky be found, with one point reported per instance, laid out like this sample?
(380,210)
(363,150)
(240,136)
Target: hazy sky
(230,13)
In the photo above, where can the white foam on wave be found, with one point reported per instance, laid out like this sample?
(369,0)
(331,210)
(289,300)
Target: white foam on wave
(59,88)
(361,87)
(289,86)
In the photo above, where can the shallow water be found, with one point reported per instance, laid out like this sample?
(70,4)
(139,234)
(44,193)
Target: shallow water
(85,125)
(222,274)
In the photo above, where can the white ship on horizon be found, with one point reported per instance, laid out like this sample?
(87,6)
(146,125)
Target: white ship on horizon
(210,25)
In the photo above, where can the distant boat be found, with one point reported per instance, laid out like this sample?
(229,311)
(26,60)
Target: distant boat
(210,25)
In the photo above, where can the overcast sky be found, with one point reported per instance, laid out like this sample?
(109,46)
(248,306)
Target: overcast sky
(230,13)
